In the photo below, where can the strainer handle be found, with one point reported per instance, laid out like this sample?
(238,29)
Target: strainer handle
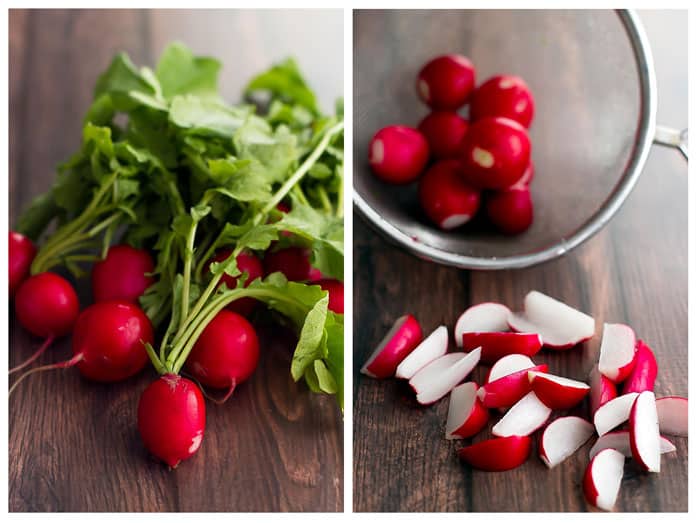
(672,138)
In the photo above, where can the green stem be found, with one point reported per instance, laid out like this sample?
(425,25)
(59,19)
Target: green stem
(299,192)
(325,202)
(187,274)
(199,269)
(339,208)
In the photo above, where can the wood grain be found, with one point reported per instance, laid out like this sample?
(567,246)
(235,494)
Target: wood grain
(73,445)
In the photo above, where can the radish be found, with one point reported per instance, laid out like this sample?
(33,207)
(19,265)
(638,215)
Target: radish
(171,418)
(673,415)
(431,348)
(494,153)
(398,154)
(507,390)
(555,391)
(508,365)
(445,197)
(620,441)
(225,354)
(560,326)
(618,349)
(444,131)
(507,96)
(466,415)
(247,263)
(20,254)
(562,438)
(511,210)
(497,454)
(446,82)
(602,390)
(124,274)
(399,342)
(336,294)
(433,381)
(615,412)
(526,178)
(601,481)
(425,377)
(644,432)
(495,345)
(644,372)
(484,317)
(293,262)
(523,418)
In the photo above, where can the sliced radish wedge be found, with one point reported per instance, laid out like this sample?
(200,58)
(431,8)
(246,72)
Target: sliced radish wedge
(555,391)
(613,413)
(495,345)
(429,349)
(506,391)
(562,438)
(673,415)
(601,482)
(508,365)
(602,390)
(484,317)
(404,336)
(644,432)
(560,326)
(617,351)
(444,381)
(620,441)
(424,377)
(466,415)
(497,454)
(643,375)
(523,418)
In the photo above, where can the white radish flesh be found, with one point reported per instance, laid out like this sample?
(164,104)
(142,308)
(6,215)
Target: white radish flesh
(562,438)
(484,317)
(617,351)
(613,413)
(601,482)
(523,418)
(644,432)
(508,365)
(620,441)
(431,348)
(673,415)
(445,381)
(424,377)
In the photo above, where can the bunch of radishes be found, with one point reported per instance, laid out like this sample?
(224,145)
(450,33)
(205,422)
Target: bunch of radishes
(489,153)
(620,390)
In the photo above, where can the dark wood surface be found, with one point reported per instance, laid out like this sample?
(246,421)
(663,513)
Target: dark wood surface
(73,445)
(634,271)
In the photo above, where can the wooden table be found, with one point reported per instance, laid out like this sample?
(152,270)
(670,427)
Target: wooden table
(634,271)
(73,445)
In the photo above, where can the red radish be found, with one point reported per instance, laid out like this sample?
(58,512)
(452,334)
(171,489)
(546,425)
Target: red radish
(560,326)
(124,274)
(424,378)
(507,390)
(562,438)
(508,365)
(511,210)
(445,197)
(398,154)
(523,418)
(441,383)
(507,96)
(446,82)
(20,254)
(673,415)
(644,432)
(494,153)
(484,317)
(336,294)
(171,418)
(620,441)
(602,390)
(226,353)
(615,412)
(399,342)
(293,262)
(248,263)
(444,131)
(466,415)
(601,481)
(527,176)
(495,345)
(430,349)
(644,372)
(497,454)
(618,349)
(557,392)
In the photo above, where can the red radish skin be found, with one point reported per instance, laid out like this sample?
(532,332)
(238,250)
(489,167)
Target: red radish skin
(336,294)
(511,210)
(446,82)
(398,154)
(445,197)
(399,342)
(483,317)
(620,441)
(430,349)
(601,481)
(466,415)
(495,345)
(643,375)
(293,262)
(497,454)
(673,415)
(248,263)
(506,96)
(444,131)
(124,274)
(526,178)
(618,350)
(602,390)
(46,305)
(523,418)
(494,153)
(644,432)
(171,418)
(556,392)
(20,254)
(226,353)
(507,390)
(562,438)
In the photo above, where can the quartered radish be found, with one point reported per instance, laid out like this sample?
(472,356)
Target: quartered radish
(557,392)
(466,415)
(602,390)
(445,197)
(495,345)
(484,317)
(643,375)
(402,338)
(507,390)
(398,154)
(560,326)
(601,481)
(620,441)
(503,95)
(508,365)
(510,210)
(497,454)
(444,131)
(446,82)
(562,438)
(426,376)
(431,348)
(443,382)
(673,415)
(615,412)
(523,418)
(617,351)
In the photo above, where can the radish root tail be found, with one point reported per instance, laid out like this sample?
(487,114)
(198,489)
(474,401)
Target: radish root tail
(62,365)
(34,356)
